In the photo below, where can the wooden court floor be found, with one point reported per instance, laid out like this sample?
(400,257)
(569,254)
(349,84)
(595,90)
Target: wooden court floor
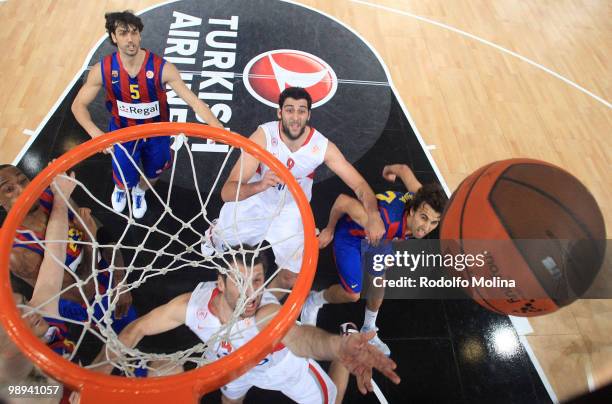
(472,102)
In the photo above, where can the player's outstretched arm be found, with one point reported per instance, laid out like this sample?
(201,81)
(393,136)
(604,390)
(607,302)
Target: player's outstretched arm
(238,181)
(375,229)
(161,319)
(51,274)
(343,205)
(172,77)
(353,350)
(392,171)
(86,95)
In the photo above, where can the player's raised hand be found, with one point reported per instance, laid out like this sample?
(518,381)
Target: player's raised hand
(325,237)
(389,172)
(360,357)
(374,229)
(63,184)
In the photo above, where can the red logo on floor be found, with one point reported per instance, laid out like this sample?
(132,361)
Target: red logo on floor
(267,74)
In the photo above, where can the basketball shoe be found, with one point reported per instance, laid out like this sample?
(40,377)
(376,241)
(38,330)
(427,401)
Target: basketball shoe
(310,310)
(119,199)
(377,342)
(139,203)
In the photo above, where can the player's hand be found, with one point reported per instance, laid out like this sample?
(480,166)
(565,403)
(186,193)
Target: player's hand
(325,237)
(64,185)
(86,224)
(99,133)
(391,171)
(374,229)
(123,304)
(359,357)
(270,179)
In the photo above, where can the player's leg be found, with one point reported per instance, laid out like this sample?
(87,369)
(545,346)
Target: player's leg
(286,236)
(235,391)
(238,222)
(337,372)
(340,377)
(156,157)
(373,303)
(347,253)
(125,174)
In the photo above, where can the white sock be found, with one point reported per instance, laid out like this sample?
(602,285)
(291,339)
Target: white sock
(138,190)
(318,298)
(369,320)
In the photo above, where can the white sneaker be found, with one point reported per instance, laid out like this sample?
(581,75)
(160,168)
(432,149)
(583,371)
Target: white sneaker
(139,203)
(208,246)
(119,199)
(310,310)
(348,328)
(377,342)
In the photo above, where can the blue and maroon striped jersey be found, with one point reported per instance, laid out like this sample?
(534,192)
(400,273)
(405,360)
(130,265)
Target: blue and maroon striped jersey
(393,211)
(134,100)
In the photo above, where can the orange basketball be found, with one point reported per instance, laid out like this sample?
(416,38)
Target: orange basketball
(550,231)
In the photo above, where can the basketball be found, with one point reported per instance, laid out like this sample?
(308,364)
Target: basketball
(540,228)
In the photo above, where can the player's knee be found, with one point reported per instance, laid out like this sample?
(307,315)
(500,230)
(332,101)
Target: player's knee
(353,297)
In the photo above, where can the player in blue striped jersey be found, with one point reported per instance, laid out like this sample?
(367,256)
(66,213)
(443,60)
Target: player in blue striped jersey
(413,214)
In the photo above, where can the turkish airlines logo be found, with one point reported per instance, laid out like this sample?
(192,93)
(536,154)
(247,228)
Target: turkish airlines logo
(269,73)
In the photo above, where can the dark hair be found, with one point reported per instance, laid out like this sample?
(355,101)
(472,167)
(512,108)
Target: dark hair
(5,165)
(250,256)
(121,19)
(433,195)
(297,93)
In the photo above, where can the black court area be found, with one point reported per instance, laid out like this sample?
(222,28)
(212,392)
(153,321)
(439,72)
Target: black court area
(447,351)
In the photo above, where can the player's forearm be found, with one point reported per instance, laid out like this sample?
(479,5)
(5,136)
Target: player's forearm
(205,113)
(366,196)
(230,189)
(83,117)
(51,274)
(339,209)
(406,176)
(311,342)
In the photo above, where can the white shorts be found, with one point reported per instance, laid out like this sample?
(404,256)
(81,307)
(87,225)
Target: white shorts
(250,222)
(300,379)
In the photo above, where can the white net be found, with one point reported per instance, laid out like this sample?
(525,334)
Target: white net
(168,252)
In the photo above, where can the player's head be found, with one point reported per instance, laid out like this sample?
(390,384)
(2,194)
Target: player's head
(426,209)
(12,183)
(294,105)
(124,30)
(247,273)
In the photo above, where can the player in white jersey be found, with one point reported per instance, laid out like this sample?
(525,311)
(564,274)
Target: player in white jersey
(258,205)
(286,369)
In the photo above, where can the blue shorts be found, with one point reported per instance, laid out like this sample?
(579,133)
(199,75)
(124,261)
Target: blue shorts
(154,153)
(78,312)
(348,256)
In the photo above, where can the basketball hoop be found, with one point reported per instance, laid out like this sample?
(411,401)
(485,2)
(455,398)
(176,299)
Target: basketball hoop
(186,387)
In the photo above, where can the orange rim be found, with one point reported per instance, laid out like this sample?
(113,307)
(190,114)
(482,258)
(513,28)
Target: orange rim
(186,387)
